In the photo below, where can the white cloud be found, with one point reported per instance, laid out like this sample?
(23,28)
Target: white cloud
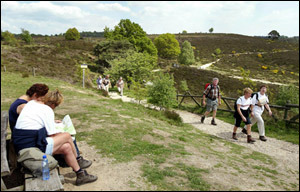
(112,7)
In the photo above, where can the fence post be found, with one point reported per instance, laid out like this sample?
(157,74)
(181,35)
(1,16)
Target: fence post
(286,110)
(33,71)
(4,68)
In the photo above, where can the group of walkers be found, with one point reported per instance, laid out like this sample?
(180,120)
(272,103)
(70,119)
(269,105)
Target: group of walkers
(104,83)
(32,123)
(250,104)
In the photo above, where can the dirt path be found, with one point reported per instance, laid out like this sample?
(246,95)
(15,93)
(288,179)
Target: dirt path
(286,153)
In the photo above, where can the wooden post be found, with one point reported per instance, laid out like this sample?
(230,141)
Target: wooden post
(4,68)
(286,110)
(33,71)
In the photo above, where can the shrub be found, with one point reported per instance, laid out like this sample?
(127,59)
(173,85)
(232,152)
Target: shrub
(183,86)
(25,36)
(25,74)
(259,55)
(233,52)
(162,92)
(186,56)
(173,115)
(287,93)
(218,51)
(72,34)
(264,67)
(275,71)
(9,38)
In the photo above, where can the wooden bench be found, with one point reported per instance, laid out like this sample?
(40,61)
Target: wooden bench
(31,184)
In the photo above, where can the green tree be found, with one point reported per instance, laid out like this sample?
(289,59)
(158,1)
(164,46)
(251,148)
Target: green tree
(218,51)
(167,46)
(184,32)
(72,34)
(9,38)
(186,56)
(211,30)
(138,89)
(109,50)
(134,33)
(135,66)
(162,93)
(25,36)
(274,34)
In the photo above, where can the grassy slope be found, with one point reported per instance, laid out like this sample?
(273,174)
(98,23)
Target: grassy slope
(174,157)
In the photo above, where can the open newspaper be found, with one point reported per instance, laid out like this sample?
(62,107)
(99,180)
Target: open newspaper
(263,101)
(66,126)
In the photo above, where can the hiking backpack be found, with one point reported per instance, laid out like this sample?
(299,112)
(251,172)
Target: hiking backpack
(212,87)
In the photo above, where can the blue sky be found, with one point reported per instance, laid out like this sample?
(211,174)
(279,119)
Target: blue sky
(155,17)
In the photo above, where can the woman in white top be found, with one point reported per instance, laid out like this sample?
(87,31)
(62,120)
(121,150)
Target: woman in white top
(242,114)
(35,127)
(259,102)
(120,85)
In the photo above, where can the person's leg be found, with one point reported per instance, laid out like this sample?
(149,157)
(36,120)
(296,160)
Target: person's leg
(69,156)
(208,110)
(76,147)
(253,121)
(62,138)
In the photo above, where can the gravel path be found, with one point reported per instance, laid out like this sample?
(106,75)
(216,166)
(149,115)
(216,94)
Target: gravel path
(285,152)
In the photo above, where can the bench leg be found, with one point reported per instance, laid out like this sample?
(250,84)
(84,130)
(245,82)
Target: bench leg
(3,186)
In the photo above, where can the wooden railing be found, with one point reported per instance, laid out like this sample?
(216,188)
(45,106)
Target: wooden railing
(229,108)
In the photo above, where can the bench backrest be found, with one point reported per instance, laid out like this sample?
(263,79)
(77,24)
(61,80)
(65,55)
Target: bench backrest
(4,164)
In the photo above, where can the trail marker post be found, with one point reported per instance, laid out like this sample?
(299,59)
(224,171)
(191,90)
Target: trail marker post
(83,66)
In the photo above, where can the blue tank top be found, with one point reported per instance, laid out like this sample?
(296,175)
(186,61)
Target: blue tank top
(12,113)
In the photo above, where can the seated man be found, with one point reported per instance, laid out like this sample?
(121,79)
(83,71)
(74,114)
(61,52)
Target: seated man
(37,92)
(35,127)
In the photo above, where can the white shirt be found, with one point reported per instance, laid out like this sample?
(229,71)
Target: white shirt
(245,103)
(35,116)
(263,100)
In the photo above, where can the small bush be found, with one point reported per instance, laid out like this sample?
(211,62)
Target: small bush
(25,74)
(72,34)
(25,36)
(218,51)
(259,55)
(173,115)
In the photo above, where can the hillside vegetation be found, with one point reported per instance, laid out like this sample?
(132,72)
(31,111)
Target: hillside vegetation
(166,155)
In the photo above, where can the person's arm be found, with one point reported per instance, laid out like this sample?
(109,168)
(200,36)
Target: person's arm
(269,109)
(20,108)
(204,94)
(240,112)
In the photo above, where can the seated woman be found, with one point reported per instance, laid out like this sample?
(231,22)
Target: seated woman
(37,92)
(35,127)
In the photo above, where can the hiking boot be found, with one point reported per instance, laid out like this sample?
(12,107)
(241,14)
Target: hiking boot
(83,177)
(244,131)
(262,138)
(213,122)
(83,163)
(249,139)
(234,136)
(202,119)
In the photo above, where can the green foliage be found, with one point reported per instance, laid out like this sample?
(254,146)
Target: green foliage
(109,50)
(287,93)
(183,86)
(167,46)
(246,80)
(134,33)
(211,30)
(186,56)
(173,115)
(25,36)
(139,90)
(72,34)
(8,38)
(162,93)
(184,32)
(218,51)
(135,66)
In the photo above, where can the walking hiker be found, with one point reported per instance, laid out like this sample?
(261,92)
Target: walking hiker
(259,101)
(120,85)
(242,107)
(106,83)
(35,127)
(99,82)
(212,93)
